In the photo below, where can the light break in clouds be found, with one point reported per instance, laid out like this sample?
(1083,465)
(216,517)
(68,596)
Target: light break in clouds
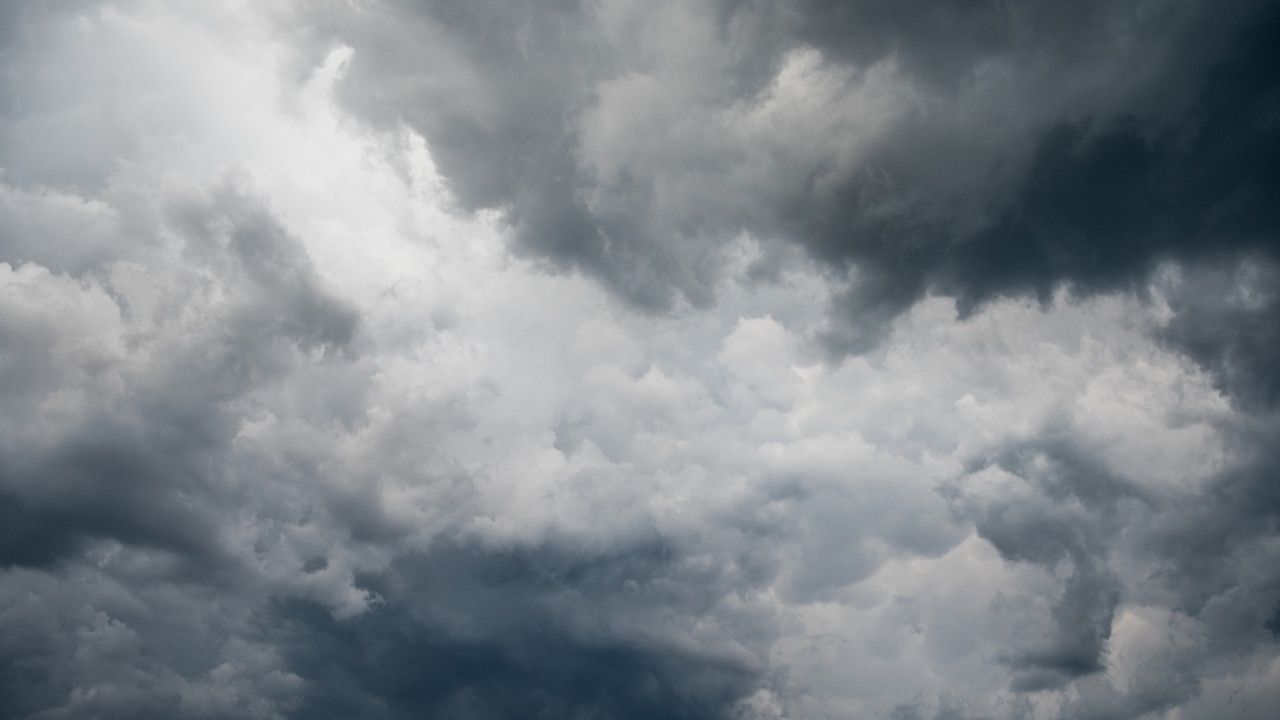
(610,359)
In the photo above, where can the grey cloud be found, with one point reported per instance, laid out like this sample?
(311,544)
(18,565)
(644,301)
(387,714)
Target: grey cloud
(120,508)
(540,632)
(919,711)
(146,487)
(1224,318)
(1093,526)
(1032,145)
(1082,625)
(1105,197)
(35,86)
(61,232)
(495,89)
(139,468)
(220,496)
(230,225)
(159,524)
(103,644)
(1231,520)
(1069,524)
(848,530)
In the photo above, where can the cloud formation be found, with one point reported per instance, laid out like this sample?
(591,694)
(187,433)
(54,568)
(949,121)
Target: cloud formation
(976,151)
(617,359)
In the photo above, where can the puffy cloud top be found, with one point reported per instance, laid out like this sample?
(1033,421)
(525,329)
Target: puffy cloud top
(624,359)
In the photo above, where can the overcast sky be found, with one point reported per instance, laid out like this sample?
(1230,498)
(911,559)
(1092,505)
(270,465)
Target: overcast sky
(622,359)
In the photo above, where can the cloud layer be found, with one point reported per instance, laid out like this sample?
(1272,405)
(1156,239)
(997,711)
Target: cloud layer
(617,360)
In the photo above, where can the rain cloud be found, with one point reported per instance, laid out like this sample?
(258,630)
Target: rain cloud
(721,359)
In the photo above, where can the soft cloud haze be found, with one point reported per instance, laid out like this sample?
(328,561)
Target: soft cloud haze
(624,359)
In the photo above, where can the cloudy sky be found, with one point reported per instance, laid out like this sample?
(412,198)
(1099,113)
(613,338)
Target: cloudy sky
(614,359)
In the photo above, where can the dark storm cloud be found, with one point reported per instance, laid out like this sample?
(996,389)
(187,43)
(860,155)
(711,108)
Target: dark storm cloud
(1108,192)
(143,528)
(220,497)
(133,507)
(494,88)
(1027,147)
(531,632)
(1071,522)
(117,510)
(1076,144)
(146,468)
(1225,317)
(1086,523)
(1238,514)
(122,644)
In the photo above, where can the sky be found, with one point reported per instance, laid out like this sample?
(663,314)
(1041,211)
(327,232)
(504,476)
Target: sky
(620,359)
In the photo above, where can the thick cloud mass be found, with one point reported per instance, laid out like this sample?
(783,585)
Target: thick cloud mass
(624,359)
(976,149)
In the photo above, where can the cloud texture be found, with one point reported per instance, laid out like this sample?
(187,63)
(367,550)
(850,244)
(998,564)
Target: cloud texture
(626,359)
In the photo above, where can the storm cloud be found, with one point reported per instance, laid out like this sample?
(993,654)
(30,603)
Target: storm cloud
(619,359)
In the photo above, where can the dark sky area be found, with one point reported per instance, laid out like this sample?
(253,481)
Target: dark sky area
(613,359)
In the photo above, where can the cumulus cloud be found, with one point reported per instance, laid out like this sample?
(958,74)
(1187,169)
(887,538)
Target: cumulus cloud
(978,151)
(621,360)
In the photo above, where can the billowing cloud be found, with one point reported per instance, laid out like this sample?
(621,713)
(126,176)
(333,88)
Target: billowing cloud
(618,360)
(977,151)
